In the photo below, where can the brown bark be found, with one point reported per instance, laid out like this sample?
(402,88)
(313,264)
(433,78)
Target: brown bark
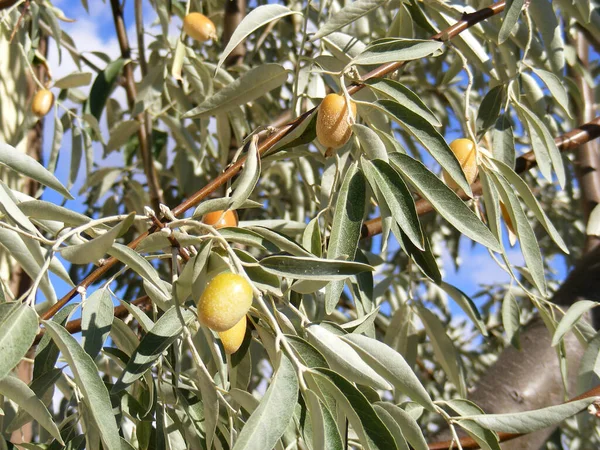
(235,11)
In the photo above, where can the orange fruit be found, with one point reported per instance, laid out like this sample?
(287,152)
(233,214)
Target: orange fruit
(221,219)
(42,102)
(199,27)
(466,153)
(333,129)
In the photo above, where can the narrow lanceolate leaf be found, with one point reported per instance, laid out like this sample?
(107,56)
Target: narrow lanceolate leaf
(26,165)
(251,85)
(556,87)
(532,203)
(325,434)
(255,19)
(75,79)
(503,141)
(546,22)
(487,440)
(98,247)
(345,230)
(529,421)
(393,426)
(511,319)
(87,378)
(342,358)
(444,349)
(370,142)
(404,96)
(409,426)
(102,87)
(120,134)
(248,178)
(96,319)
(466,304)
(511,15)
(397,197)
(312,268)
(428,136)
(589,368)
(159,338)
(15,390)
(371,431)
(574,313)
(137,263)
(395,49)
(527,238)
(444,200)
(18,327)
(392,366)
(347,15)
(268,422)
(489,110)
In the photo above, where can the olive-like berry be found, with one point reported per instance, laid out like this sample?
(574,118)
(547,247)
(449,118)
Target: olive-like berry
(232,339)
(42,102)
(466,153)
(333,127)
(226,299)
(221,219)
(199,27)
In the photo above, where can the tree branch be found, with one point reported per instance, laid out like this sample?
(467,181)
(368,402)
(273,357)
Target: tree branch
(145,152)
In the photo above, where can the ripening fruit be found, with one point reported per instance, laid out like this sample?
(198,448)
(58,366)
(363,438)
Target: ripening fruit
(512,235)
(219,220)
(333,129)
(42,102)
(465,152)
(226,299)
(199,27)
(232,339)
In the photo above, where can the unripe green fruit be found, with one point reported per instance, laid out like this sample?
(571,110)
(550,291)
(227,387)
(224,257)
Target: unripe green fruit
(226,299)
(333,128)
(42,102)
(199,27)
(232,339)
(466,153)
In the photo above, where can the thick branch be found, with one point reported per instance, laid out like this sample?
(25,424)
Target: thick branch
(145,153)
(235,10)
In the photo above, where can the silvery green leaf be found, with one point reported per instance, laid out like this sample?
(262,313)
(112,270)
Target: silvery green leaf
(529,421)
(532,203)
(524,231)
(268,422)
(248,178)
(15,390)
(371,431)
(76,155)
(325,434)
(164,332)
(96,319)
(589,368)
(410,429)
(511,15)
(546,22)
(428,136)
(251,85)
(370,142)
(26,165)
(75,79)
(281,241)
(487,440)
(466,304)
(311,238)
(395,49)
(302,268)
(344,359)
(255,19)
(219,204)
(489,109)
(120,134)
(140,316)
(59,131)
(87,378)
(348,14)
(18,327)
(503,142)
(9,207)
(98,247)
(392,366)
(346,226)
(511,319)
(178,57)
(137,263)
(395,194)
(393,426)
(443,349)
(576,310)
(444,200)
(404,96)
(556,87)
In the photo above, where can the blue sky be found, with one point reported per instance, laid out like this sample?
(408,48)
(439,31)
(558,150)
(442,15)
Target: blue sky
(96,32)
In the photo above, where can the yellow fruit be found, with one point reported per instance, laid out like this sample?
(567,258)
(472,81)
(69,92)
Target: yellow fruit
(199,27)
(333,129)
(226,299)
(232,339)
(465,152)
(512,235)
(42,102)
(219,220)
